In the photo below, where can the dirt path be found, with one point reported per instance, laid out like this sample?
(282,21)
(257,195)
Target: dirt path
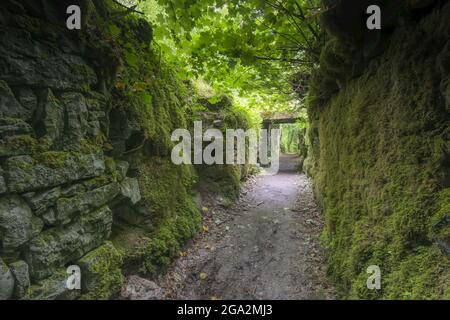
(265,247)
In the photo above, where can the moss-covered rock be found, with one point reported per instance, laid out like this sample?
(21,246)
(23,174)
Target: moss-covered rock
(101,272)
(9,106)
(57,246)
(86,202)
(52,288)
(379,159)
(25,173)
(167,212)
(18,145)
(16,222)
(6,281)
(168,239)
(19,269)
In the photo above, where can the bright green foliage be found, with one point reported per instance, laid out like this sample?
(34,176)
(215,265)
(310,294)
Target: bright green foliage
(251,50)
(292,138)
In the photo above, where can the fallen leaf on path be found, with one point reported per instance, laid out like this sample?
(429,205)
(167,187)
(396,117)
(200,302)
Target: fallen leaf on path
(205,228)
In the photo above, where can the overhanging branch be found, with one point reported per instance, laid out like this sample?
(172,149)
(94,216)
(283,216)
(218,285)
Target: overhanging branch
(129,9)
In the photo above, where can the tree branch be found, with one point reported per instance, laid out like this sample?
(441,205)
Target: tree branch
(279,59)
(129,9)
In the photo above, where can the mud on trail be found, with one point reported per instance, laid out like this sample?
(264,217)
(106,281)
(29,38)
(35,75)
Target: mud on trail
(266,246)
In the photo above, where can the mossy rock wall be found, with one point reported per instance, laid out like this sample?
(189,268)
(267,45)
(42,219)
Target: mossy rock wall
(85,139)
(219,112)
(380,159)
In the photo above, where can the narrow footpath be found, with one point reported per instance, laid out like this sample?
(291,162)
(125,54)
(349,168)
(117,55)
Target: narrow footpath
(266,246)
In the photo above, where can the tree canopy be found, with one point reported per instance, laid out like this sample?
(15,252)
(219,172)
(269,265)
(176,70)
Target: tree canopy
(258,51)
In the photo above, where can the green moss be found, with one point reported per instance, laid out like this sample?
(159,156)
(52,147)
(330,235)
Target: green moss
(421,275)
(101,271)
(130,241)
(52,288)
(99,181)
(158,102)
(167,241)
(21,163)
(224,180)
(155,100)
(164,186)
(379,159)
(20,144)
(52,159)
(111,168)
(437,231)
(335,61)
(167,199)
(87,146)
(110,164)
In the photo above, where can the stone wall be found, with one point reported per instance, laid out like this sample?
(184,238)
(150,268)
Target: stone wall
(85,173)
(380,147)
(57,184)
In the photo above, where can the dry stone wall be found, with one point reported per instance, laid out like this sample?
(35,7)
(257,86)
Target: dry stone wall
(57,186)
